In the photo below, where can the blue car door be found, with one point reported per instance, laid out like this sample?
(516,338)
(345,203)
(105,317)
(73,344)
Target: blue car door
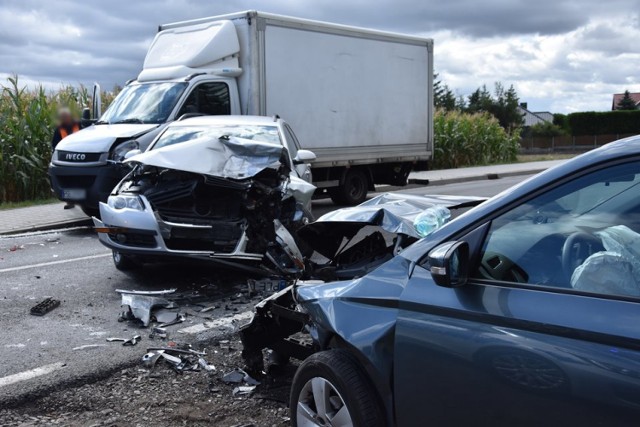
(547,330)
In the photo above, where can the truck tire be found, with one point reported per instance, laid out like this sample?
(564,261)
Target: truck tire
(353,190)
(90,211)
(124,262)
(348,397)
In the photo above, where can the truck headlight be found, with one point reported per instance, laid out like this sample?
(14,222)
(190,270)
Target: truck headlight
(119,151)
(121,202)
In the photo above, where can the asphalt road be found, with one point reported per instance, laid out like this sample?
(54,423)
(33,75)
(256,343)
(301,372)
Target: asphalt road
(68,345)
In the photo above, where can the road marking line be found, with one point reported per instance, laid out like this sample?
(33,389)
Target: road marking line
(223,323)
(33,373)
(45,264)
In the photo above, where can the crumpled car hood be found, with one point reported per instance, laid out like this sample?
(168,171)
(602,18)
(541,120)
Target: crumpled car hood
(393,212)
(99,138)
(234,158)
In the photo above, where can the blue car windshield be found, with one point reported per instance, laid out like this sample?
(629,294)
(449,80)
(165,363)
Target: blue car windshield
(144,103)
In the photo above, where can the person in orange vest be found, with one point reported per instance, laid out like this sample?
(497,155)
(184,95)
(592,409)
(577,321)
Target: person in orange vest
(66,126)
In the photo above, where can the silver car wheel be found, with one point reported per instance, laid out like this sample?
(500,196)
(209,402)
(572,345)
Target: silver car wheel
(320,404)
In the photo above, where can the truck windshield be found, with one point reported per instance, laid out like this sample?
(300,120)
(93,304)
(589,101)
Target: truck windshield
(144,103)
(178,134)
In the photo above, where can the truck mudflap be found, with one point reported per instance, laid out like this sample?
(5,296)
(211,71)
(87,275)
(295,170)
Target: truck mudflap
(274,324)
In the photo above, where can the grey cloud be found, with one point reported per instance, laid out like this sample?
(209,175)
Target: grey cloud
(114,35)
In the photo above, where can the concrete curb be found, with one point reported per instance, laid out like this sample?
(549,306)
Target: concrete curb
(445,181)
(49,226)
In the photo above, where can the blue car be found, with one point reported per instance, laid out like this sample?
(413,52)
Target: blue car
(523,311)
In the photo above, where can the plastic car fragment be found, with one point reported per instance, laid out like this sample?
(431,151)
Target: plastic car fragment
(140,303)
(126,341)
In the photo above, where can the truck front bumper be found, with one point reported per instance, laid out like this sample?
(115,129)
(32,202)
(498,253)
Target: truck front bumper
(86,186)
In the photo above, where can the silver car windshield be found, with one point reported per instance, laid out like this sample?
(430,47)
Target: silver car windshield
(178,134)
(144,103)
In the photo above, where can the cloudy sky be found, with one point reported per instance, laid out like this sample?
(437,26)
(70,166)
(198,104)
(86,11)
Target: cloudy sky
(561,55)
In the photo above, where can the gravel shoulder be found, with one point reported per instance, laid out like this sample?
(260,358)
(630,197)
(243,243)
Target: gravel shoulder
(138,396)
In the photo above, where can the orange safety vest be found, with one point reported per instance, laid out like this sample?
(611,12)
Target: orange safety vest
(64,133)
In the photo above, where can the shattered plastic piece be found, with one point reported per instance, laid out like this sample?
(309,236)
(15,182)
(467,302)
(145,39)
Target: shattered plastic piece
(243,390)
(178,350)
(171,359)
(44,306)
(234,377)
(237,376)
(140,303)
(179,319)
(206,366)
(158,332)
(149,360)
(164,315)
(126,341)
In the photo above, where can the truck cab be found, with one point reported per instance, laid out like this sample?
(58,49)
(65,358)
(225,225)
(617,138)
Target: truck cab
(86,165)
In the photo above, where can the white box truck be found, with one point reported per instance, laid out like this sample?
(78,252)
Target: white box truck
(362,100)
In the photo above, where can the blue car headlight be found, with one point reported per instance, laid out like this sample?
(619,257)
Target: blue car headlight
(125,202)
(118,153)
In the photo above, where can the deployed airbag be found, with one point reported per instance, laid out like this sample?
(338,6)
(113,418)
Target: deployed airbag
(615,271)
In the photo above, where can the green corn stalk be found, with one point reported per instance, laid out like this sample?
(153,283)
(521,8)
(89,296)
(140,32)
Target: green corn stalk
(27,121)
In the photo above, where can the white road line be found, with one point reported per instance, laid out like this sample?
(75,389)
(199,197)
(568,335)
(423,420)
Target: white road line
(45,264)
(224,323)
(33,373)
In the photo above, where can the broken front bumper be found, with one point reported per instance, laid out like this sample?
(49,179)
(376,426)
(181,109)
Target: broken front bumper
(274,325)
(136,232)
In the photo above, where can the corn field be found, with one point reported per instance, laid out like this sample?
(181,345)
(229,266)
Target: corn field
(27,121)
(463,139)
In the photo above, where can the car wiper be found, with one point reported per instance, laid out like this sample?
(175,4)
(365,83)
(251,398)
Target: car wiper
(130,120)
(101,122)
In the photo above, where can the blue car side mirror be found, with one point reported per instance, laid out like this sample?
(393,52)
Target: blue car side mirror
(449,264)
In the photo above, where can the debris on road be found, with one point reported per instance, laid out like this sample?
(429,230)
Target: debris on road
(126,341)
(180,358)
(243,390)
(237,376)
(44,306)
(140,303)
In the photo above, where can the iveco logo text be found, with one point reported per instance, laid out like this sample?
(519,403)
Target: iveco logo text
(75,156)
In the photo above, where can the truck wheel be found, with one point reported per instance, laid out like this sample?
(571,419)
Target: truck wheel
(124,262)
(353,190)
(331,389)
(90,211)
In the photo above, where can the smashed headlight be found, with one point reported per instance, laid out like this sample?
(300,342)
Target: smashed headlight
(118,153)
(128,202)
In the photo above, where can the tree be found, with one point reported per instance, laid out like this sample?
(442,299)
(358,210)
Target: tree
(480,100)
(443,97)
(626,102)
(503,105)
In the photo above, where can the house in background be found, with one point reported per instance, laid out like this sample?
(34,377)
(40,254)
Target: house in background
(618,96)
(533,118)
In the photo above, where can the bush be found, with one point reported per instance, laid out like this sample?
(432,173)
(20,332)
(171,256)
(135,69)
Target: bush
(546,129)
(27,121)
(605,123)
(472,139)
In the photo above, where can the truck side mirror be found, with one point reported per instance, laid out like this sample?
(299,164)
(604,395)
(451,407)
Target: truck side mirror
(96,101)
(304,156)
(86,114)
(449,264)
